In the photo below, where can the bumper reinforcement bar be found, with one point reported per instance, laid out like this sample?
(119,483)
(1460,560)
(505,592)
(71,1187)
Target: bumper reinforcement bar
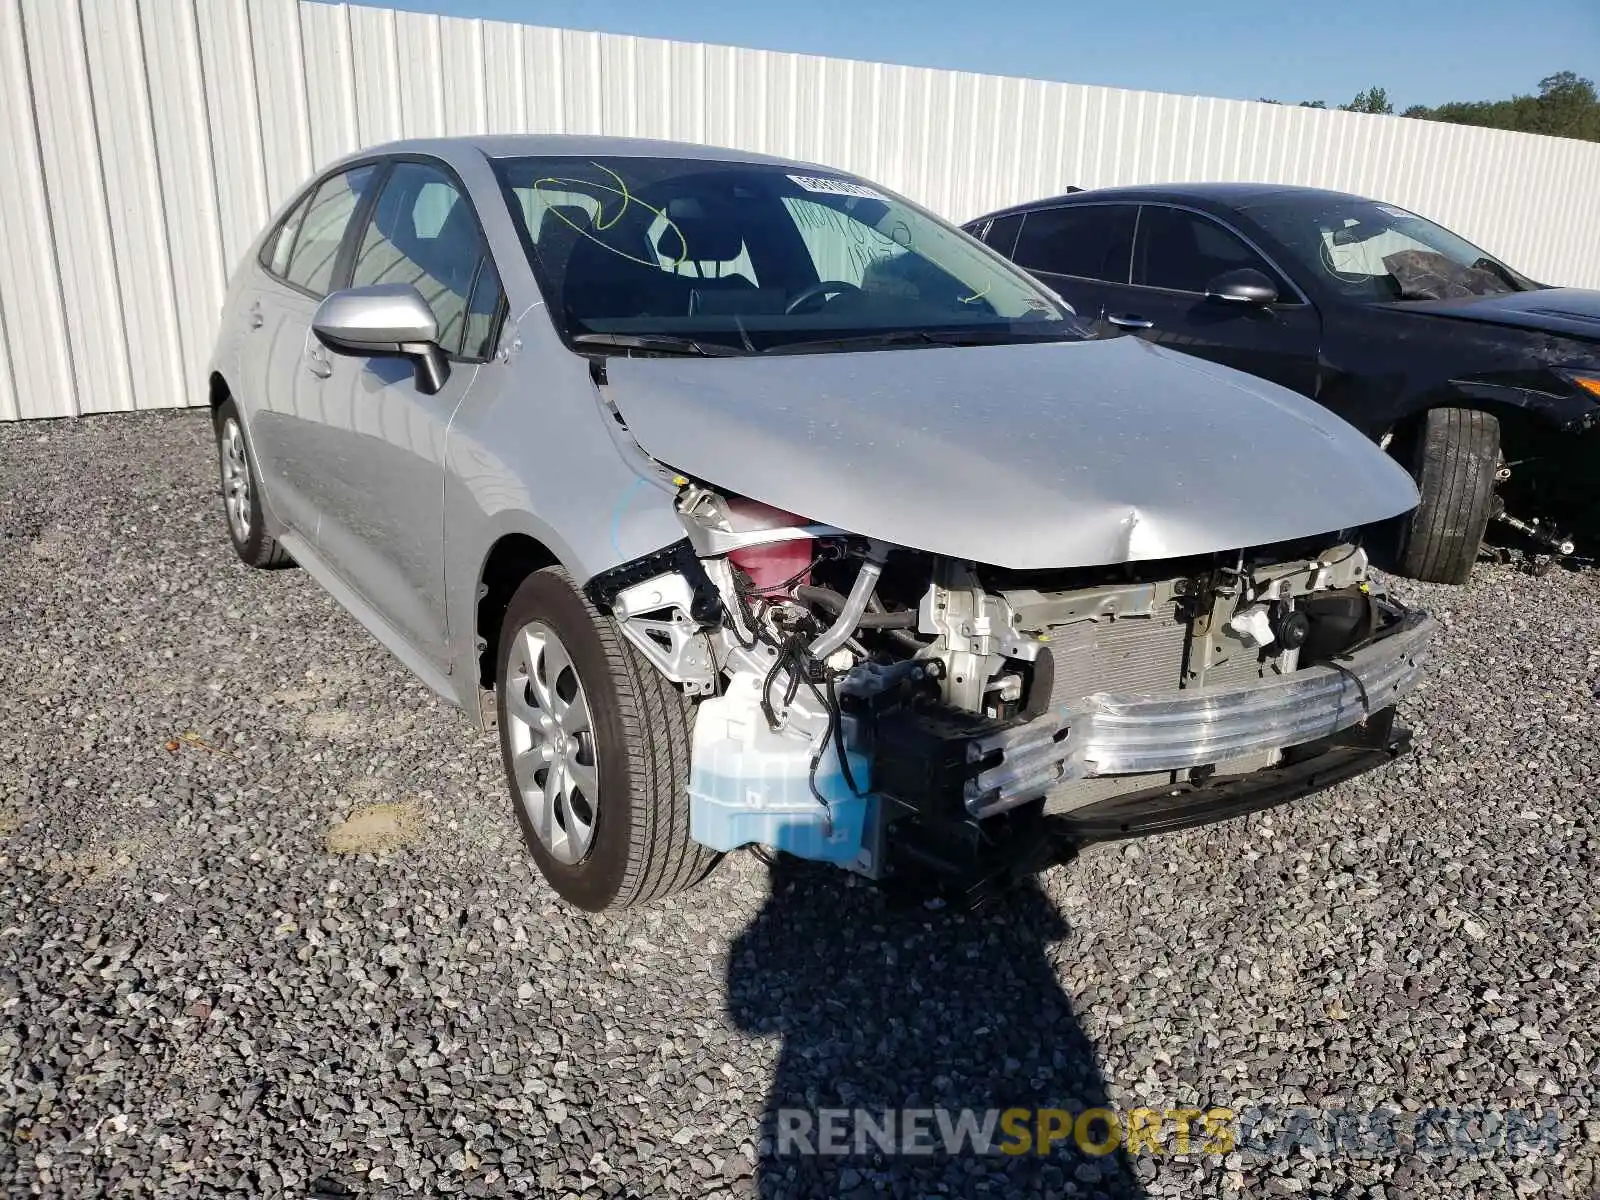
(1112,733)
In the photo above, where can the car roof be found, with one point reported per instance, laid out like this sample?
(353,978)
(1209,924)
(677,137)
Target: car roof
(532,145)
(1223,195)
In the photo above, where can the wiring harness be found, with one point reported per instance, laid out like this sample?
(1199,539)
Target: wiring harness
(792,654)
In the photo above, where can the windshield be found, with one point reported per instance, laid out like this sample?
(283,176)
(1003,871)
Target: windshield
(1375,250)
(706,256)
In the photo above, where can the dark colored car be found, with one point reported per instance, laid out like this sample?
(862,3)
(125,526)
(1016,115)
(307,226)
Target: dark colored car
(1480,380)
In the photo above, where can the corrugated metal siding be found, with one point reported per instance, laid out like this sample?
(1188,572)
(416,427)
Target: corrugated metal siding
(147,141)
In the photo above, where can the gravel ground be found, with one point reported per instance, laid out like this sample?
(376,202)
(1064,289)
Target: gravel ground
(266,926)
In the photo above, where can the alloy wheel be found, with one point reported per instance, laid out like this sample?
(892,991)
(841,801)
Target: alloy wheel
(235,479)
(551,732)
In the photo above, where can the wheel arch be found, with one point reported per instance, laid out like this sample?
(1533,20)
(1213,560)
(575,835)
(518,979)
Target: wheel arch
(1523,430)
(509,560)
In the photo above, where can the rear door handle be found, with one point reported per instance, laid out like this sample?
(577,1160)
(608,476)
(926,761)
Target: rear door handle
(254,318)
(317,363)
(1130,321)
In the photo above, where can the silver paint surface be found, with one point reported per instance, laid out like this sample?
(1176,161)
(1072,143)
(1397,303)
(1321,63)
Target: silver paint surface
(400,497)
(1052,455)
(1043,455)
(382,314)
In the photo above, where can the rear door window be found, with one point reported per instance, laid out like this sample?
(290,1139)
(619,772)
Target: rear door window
(1091,241)
(275,250)
(316,246)
(1002,233)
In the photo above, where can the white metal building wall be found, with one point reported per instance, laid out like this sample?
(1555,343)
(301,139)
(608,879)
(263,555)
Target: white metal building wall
(147,141)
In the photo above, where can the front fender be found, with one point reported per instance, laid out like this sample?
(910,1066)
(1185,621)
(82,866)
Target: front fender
(1573,413)
(536,453)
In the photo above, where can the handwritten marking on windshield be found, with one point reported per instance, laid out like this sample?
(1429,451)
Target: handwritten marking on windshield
(626,199)
(565,186)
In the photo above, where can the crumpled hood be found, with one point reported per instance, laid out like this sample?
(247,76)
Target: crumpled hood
(1573,312)
(1020,456)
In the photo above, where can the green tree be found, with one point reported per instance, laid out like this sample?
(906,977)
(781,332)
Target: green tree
(1373,100)
(1566,106)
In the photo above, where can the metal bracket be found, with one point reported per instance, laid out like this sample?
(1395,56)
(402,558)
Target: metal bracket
(977,630)
(654,616)
(706,608)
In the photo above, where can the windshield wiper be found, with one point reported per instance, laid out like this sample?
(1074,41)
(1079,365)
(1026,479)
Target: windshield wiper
(886,338)
(657,343)
(1500,269)
(925,337)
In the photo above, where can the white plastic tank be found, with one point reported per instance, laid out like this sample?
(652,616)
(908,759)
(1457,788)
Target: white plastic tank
(749,784)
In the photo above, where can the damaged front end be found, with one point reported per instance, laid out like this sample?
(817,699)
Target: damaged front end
(891,710)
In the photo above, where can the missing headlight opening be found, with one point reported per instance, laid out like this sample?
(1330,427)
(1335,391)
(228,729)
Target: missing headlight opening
(897,712)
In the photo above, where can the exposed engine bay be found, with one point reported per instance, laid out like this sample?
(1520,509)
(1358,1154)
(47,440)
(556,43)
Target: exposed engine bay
(876,706)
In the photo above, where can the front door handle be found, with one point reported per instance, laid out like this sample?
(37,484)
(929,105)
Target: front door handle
(317,363)
(1130,321)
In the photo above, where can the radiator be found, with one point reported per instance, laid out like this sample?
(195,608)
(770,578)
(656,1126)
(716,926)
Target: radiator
(1131,654)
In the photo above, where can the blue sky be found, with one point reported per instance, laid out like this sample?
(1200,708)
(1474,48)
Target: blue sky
(1422,51)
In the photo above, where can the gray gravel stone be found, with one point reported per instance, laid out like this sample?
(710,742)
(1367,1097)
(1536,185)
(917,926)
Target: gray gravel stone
(199,998)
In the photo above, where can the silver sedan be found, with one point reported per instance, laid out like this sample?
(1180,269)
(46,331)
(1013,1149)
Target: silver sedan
(756,505)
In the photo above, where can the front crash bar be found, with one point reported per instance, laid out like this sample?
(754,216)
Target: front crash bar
(1135,733)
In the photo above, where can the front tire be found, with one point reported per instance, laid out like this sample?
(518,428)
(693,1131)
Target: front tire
(595,745)
(1453,458)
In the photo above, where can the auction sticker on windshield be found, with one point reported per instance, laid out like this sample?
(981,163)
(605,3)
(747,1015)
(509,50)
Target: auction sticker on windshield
(836,187)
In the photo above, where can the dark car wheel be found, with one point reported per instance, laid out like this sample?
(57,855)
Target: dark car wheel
(241,493)
(595,744)
(1453,455)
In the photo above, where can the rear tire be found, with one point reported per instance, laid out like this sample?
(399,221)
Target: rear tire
(628,843)
(241,492)
(1454,455)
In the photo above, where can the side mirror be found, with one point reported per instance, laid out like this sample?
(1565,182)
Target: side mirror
(1242,285)
(386,319)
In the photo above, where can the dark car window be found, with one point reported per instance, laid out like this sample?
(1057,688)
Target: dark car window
(423,232)
(758,256)
(316,247)
(1371,250)
(483,312)
(1002,233)
(1184,251)
(1092,241)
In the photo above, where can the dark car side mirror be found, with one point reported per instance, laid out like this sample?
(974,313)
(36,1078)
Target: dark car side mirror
(384,320)
(1242,285)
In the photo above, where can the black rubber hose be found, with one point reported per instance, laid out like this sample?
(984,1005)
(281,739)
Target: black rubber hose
(832,601)
(909,640)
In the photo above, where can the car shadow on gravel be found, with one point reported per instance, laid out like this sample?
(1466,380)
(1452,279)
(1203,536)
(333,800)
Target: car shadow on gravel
(883,1010)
